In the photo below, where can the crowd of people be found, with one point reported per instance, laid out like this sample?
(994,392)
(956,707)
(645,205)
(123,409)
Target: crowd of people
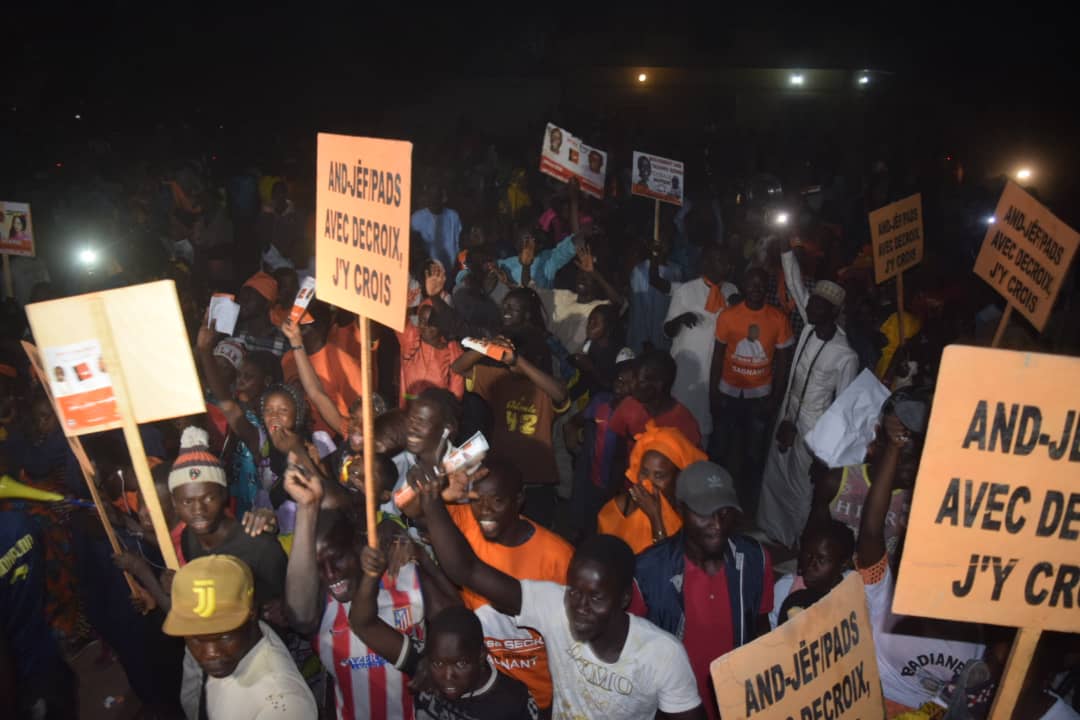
(648,502)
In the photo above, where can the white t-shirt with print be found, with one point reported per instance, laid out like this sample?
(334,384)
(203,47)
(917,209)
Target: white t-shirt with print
(652,672)
(913,668)
(266,684)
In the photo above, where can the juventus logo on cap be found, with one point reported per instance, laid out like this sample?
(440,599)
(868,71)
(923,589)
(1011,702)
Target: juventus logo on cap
(206,598)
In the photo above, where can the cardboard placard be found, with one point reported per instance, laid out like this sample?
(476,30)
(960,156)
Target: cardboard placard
(658,178)
(995,516)
(896,233)
(1026,254)
(152,346)
(363,189)
(564,156)
(16,229)
(820,663)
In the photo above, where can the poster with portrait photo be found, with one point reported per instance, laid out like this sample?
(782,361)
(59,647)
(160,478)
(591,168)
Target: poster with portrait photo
(81,384)
(16,230)
(659,178)
(564,156)
(592,170)
(555,153)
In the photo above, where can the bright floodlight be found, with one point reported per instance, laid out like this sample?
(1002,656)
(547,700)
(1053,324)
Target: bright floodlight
(989,219)
(781,218)
(87,256)
(1023,174)
(796,79)
(864,79)
(642,77)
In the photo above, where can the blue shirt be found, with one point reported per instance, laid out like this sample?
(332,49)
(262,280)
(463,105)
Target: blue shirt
(545,265)
(648,308)
(441,234)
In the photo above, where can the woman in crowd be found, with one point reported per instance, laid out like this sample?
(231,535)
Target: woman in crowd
(645,513)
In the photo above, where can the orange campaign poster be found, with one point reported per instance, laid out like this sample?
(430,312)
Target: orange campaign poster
(820,663)
(564,156)
(995,517)
(363,188)
(81,385)
(1026,254)
(16,229)
(658,178)
(896,232)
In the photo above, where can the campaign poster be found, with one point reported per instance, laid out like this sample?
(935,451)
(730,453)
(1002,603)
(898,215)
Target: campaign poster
(657,178)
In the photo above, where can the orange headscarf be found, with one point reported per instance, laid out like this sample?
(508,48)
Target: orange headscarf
(635,528)
(667,441)
(265,285)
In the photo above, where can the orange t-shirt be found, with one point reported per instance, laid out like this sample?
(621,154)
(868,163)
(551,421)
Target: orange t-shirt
(635,529)
(752,338)
(424,366)
(340,374)
(519,652)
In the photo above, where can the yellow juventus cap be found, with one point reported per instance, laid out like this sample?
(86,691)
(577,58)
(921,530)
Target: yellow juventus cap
(210,595)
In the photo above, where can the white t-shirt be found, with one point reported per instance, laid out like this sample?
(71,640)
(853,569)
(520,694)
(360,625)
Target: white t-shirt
(266,684)
(913,668)
(652,672)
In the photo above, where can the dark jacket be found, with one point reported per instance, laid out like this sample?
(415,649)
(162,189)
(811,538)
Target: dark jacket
(659,576)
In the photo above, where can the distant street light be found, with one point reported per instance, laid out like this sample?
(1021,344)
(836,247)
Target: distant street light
(642,77)
(1023,174)
(796,79)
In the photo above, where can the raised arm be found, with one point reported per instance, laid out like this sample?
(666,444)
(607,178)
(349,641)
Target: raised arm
(793,279)
(555,389)
(312,385)
(552,261)
(302,574)
(234,414)
(457,558)
(871,546)
(587,264)
(364,612)
(465,363)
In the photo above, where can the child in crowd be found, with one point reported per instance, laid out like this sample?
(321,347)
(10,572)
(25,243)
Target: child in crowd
(452,674)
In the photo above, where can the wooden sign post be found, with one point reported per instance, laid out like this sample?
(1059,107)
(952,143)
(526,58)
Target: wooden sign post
(896,234)
(1025,256)
(88,472)
(363,187)
(113,360)
(996,511)
(767,678)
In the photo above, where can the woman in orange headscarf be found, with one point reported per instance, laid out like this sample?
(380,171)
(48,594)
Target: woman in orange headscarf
(644,513)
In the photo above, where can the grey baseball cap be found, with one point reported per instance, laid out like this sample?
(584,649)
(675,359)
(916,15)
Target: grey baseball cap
(706,487)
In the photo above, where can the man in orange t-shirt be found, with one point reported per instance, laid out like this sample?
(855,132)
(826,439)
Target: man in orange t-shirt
(337,369)
(508,541)
(750,363)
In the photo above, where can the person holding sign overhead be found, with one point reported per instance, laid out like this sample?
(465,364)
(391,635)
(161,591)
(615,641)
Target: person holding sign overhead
(916,657)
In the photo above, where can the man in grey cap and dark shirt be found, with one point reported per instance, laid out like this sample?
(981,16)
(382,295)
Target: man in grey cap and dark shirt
(710,588)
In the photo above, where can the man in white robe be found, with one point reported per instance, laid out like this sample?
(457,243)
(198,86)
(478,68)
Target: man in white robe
(824,365)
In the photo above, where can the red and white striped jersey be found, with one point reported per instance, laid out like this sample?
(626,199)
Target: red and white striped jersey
(367,685)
